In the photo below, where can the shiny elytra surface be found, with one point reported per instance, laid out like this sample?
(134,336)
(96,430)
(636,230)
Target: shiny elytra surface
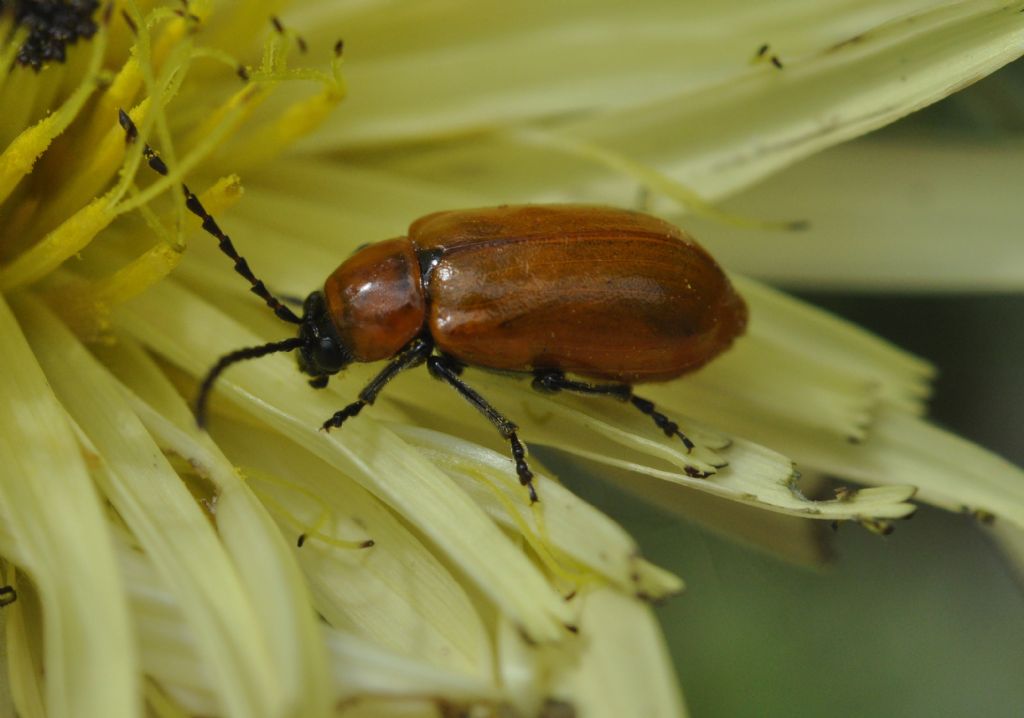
(600,292)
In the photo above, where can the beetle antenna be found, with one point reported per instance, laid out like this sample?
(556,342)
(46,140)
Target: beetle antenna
(210,225)
(236,356)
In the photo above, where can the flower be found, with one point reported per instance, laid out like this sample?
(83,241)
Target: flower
(157,564)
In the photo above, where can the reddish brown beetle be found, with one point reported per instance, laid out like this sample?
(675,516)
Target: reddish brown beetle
(604,293)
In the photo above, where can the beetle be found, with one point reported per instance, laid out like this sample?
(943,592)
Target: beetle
(606,294)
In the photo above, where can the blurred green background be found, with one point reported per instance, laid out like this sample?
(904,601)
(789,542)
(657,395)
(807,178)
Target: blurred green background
(926,622)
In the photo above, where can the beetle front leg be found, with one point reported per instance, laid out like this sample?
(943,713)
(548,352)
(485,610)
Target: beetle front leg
(554,381)
(414,353)
(447,370)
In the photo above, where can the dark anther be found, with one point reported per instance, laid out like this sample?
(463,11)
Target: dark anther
(301,540)
(131,132)
(762,53)
(276,21)
(339,48)
(129,22)
(52,26)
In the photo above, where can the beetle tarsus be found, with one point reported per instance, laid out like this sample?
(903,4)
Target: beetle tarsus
(661,421)
(319,382)
(552,381)
(522,469)
(414,354)
(447,370)
(340,417)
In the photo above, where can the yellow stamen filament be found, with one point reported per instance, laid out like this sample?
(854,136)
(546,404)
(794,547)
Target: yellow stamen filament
(8,52)
(160,91)
(298,120)
(576,575)
(85,181)
(649,177)
(68,239)
(86,305)
(20,156)
(248,98)
(75,233)
(302,528)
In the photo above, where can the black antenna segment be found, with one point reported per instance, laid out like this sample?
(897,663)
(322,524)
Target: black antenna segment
(210,225)
(227,360)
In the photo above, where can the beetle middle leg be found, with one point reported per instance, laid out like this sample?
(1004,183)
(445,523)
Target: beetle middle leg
(447,370)
(414,353)
(552,381)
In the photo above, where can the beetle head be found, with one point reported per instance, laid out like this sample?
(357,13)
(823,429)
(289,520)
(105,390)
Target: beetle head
(323,352)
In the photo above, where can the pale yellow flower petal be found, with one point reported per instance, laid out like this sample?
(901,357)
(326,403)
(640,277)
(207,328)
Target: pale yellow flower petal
(174,532)
(617,666)
(704,111)
(169,319)
(556,525)
(453,105)
(363,670)
(887,213)
(395,593)
(57,533)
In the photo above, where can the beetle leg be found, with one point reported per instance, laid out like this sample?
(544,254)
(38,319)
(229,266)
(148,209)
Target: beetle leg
(551,381)
(412,355)
(319,382)
(447,370)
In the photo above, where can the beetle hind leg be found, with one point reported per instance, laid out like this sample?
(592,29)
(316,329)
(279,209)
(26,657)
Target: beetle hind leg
(551,381)
(448,370)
